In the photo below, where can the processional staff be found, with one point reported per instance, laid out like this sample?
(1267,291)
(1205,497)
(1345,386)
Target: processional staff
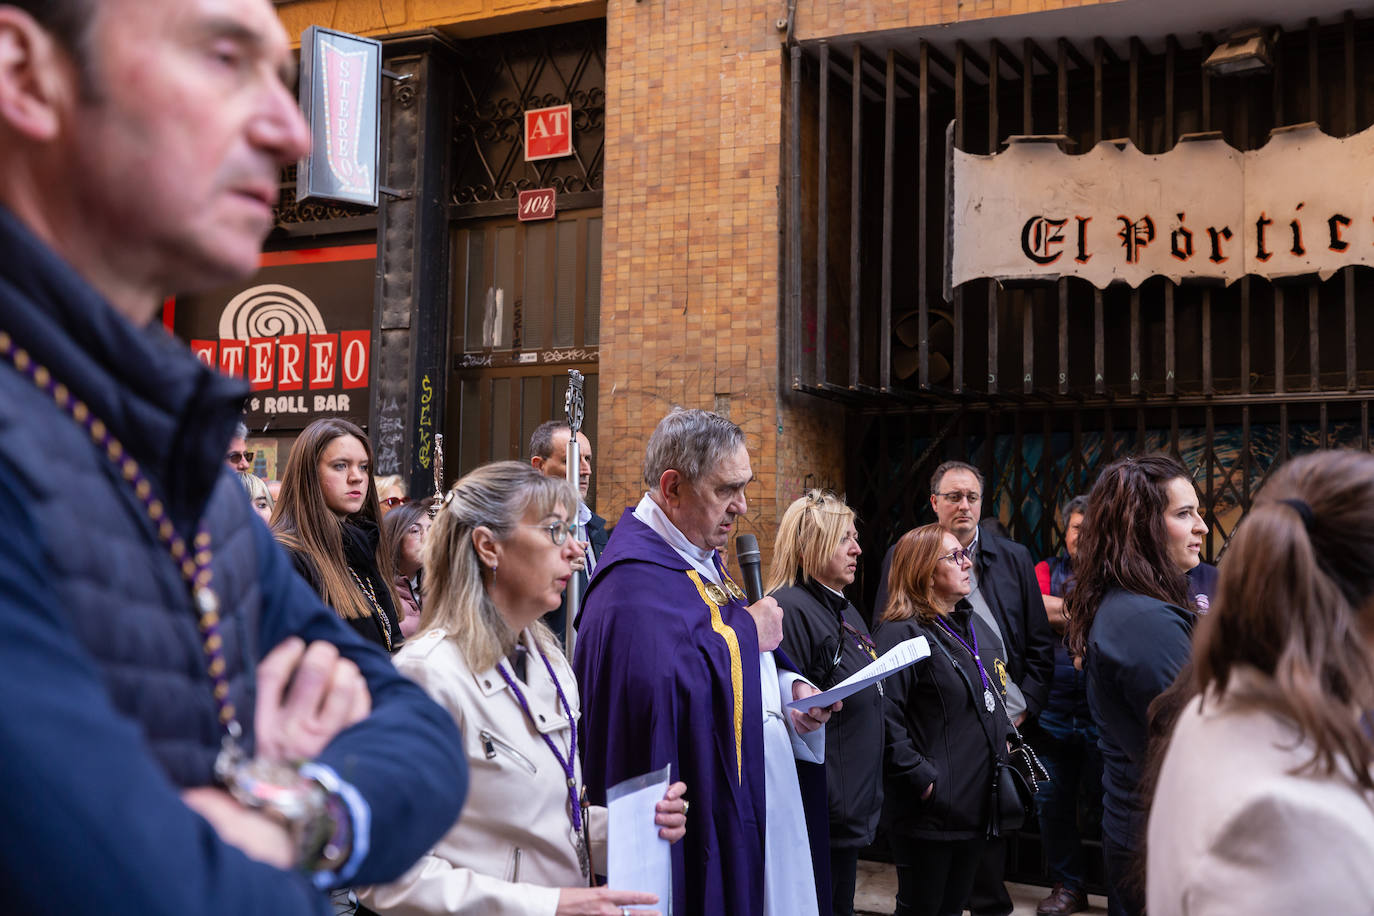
(572,405)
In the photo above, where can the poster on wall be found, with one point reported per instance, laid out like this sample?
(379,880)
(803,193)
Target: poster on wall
(299,332)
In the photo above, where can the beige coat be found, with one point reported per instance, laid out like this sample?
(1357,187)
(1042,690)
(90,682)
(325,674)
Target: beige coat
(512,846)
(1232,831)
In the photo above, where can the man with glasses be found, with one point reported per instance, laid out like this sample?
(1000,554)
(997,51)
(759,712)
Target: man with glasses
(1006,595)
(239,458)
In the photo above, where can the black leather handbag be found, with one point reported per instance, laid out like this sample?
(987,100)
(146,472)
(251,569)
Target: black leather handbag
(1014,784)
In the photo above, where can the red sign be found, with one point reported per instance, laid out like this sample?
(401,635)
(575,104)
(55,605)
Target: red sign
(537,204)
(548,132)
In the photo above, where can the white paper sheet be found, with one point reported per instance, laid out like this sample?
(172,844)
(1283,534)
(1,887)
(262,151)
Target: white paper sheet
(638,858)
(895,659)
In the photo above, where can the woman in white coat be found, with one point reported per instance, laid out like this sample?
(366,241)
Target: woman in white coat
(496,560)
(1265,799)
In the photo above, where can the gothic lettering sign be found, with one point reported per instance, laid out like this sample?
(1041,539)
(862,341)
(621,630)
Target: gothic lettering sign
(548,132)
(339,82)
(299,332)
(1300,204)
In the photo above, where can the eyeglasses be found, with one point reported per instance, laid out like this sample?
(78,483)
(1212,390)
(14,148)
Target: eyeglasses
(955,497)
(558,531)
(958,556)
(391,502)
(236,457)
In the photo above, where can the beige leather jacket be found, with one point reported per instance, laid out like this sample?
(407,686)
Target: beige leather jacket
(512,847)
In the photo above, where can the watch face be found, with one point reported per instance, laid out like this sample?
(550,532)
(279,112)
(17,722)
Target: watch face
(274,787)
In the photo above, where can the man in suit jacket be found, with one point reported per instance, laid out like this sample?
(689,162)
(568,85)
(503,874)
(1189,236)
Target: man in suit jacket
(549,455)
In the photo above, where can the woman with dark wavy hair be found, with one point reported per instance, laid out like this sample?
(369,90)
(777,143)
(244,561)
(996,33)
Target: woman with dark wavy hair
(327,519)
(1265,802)
(1131,621)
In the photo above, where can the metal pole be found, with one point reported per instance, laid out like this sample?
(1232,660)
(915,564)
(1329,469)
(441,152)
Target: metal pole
(573,406)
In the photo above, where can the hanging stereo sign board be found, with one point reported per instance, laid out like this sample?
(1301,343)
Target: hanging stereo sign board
(1301,204)
(340,96)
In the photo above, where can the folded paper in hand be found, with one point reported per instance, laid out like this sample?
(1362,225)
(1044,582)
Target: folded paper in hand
(895,659)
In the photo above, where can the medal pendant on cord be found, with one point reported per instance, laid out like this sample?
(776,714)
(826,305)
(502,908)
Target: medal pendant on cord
(988,701)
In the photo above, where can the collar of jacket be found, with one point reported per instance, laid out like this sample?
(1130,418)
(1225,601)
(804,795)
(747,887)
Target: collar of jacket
(171,412)
(828,599)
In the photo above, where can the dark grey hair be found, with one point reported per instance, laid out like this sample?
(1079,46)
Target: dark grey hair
(942,470)
(691,442)
(1076,506)
(541,440)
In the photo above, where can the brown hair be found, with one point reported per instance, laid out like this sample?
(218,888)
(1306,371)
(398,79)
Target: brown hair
(911,579)
(1294,601)
(303,522)
(808,534)
(395,525)
(1123,542)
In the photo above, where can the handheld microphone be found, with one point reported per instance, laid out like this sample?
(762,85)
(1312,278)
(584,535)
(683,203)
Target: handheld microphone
(747,552)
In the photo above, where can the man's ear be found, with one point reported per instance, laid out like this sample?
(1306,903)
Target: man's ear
(670,486)
(538,463)
(36,77)
(487,546)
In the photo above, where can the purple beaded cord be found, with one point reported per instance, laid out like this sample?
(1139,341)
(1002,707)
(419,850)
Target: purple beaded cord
(194,567)
(568,763)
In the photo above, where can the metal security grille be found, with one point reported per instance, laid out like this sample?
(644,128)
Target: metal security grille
(498,79)
(1042,384)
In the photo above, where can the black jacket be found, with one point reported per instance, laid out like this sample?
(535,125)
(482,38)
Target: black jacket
(360,538)
(813,637)
(941,731)
(1006,576)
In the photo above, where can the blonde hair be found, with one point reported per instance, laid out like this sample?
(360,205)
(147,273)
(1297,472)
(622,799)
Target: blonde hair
(808,535)
(256,487)
(497,497)
(911,580)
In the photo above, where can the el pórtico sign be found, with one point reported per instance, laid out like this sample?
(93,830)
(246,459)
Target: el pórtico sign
(1301,204)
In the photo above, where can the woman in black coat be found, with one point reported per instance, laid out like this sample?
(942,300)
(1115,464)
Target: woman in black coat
(814,559)
(947,725)
(327,519)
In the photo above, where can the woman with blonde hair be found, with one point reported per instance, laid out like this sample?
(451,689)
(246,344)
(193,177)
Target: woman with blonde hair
(815,557)
(327,519)
(258,494)
(948,725)
(1265,800)
(497,558)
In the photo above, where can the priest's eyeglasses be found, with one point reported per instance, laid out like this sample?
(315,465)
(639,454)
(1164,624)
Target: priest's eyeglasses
(955,497)
(558,531)
(958,557)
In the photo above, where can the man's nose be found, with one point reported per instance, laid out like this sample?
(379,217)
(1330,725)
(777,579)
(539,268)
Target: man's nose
(278,125)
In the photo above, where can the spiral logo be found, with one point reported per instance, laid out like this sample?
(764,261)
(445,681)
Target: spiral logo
(270,310)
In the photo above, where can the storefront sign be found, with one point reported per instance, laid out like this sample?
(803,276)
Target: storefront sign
(1301,204)
(548,132)
(340,75)
(537,204)
(299,333)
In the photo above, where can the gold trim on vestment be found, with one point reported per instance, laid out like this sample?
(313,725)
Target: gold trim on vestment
(736,666)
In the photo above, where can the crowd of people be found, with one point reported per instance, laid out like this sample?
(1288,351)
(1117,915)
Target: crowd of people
(229,700)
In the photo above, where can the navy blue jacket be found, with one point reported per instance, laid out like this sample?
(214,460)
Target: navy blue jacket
(109,711)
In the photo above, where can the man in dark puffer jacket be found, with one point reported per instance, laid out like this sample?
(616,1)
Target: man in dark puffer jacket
(140,142)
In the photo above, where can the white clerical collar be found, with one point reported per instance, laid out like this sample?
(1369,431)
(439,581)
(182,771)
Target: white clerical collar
(584,514)
(651,514)
(829,589)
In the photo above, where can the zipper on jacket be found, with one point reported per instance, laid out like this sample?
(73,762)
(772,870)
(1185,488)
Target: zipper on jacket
(490,743)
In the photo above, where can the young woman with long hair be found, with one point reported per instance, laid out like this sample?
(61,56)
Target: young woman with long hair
(327,517)
(948,725)
(815,556)
(1265,801)
(497,559)
(1130,621)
